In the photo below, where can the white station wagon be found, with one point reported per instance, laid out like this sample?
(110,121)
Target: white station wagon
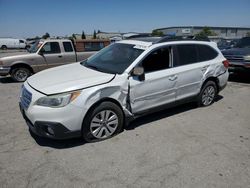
(96,98)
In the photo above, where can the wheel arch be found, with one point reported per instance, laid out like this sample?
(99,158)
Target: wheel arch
(214,79)
(21,64)
(106,99)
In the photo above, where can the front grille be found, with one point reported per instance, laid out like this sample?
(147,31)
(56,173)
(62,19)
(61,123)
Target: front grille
(234,58)
(25,98)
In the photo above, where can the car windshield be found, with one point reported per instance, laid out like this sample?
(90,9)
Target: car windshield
(35,46)
(244,43)
(113,59)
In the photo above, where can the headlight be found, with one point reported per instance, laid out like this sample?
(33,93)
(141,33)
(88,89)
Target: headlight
(56,101)
(247,58)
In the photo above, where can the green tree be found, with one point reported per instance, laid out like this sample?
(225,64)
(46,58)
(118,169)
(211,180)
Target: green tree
(94,35)
(83,35)
(205,32)
(157,33)
(46,36)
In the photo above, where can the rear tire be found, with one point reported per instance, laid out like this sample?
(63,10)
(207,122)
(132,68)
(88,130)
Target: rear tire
(4,47)
(208,94)
(102,122)
(20,74)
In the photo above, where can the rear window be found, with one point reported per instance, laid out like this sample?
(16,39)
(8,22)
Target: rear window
(93,46)
(67,47)
(206,53)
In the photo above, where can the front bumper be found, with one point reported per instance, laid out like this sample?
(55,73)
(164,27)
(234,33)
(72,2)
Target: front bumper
(4,71)
(48,129)
(65,122)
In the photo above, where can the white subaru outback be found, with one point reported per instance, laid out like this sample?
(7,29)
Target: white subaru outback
(96,98)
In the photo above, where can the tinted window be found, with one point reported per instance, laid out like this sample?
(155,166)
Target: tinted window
(93,46)
(206,52)
(51,48)
(67,47)
(21,41)
(157,60)
(244,42)
(185,54)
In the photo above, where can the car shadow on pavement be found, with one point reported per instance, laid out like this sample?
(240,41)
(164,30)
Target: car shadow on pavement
(144,120)
(6,80)
(242,77)
(58,144)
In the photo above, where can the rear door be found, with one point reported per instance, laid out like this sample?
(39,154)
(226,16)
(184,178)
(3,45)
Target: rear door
(69,55)
(192,64)
(158,88)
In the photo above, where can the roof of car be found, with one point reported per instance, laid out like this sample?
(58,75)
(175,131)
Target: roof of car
(146,42)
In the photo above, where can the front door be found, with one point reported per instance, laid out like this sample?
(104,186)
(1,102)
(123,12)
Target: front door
(52,55)
(159,86)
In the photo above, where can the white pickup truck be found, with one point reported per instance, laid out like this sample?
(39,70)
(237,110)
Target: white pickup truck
(46,54)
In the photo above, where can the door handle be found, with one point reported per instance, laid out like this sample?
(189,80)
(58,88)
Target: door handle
(60,56)
(173,78)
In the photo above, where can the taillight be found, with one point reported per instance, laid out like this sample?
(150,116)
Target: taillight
(226,63)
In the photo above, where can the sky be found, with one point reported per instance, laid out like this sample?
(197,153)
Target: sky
(30,18)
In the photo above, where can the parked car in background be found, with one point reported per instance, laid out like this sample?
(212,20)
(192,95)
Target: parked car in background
(96,98)
(239,56)
(10,43)
(46,54)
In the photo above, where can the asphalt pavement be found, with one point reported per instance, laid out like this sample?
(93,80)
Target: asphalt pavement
(184,146)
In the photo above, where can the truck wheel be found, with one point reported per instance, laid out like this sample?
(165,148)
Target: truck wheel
(208,94)
(102,122)
(20,74)
(4,47)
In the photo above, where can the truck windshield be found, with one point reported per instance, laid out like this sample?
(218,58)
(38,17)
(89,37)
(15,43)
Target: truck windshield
(35,46)
(113,59)
(244,43)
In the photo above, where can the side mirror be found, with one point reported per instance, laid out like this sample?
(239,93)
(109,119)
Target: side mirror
(139,71)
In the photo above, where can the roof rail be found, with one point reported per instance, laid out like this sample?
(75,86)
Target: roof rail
(169,38)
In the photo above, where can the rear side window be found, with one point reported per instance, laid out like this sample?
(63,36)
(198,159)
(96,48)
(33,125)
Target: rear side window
(185,54)
(67,47)
(206,53)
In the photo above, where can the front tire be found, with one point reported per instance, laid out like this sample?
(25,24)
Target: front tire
(208,94)
(102,122)
(20,74)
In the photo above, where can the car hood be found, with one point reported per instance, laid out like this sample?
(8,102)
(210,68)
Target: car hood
(17,56)
(236,51)
(67,78)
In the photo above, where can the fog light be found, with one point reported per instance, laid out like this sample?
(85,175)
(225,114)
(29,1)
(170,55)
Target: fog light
(50,131)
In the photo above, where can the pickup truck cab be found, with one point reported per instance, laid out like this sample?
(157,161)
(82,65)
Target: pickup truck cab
(97,97)
(42,55)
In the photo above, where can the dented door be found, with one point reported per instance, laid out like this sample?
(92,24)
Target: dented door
(157,89)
